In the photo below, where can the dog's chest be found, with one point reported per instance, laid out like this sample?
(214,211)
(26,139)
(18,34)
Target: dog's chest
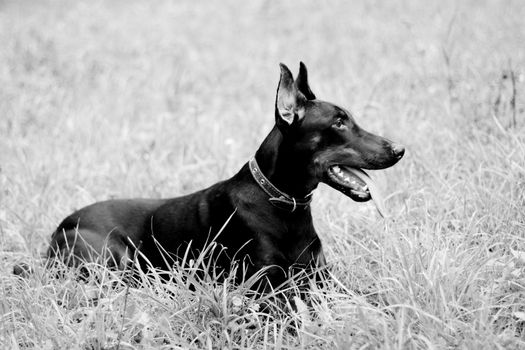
(273,236)
(302,250)
(297,246)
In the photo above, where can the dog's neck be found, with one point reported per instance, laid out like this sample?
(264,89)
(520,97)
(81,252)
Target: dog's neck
(284,167)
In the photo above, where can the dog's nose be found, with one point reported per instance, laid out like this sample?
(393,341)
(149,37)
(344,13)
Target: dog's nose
(398,150)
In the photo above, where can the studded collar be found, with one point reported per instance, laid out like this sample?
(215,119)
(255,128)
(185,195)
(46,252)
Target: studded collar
(278,198)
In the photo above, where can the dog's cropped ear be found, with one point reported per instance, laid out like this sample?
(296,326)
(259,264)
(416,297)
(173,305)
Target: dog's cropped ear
(289,103)
(302,82)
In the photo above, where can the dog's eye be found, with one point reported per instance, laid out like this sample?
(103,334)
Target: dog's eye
(339,123)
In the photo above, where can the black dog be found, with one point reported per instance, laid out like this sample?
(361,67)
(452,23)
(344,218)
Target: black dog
(261,216)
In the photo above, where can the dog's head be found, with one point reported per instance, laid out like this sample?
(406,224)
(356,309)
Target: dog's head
(337,147)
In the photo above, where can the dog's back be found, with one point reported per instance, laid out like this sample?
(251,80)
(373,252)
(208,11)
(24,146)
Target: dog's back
(114,227)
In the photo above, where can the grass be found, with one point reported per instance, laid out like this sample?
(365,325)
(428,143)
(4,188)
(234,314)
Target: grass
(155,99)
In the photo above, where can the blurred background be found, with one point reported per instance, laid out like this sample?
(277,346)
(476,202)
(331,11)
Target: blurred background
(104,99)
(115,99)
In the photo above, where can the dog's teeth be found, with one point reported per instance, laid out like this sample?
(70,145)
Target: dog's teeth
(365,188)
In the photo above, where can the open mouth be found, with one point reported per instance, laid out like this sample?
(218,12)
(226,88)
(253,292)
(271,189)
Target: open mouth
(356,184)
(350,181)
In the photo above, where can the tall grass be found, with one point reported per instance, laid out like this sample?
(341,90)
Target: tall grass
(156,99)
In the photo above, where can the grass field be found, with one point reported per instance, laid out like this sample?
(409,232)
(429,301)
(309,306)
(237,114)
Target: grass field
(156,99)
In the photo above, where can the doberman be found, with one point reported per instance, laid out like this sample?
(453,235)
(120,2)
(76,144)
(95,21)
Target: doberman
(261,216)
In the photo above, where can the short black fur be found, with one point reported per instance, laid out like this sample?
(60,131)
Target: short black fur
(305,142)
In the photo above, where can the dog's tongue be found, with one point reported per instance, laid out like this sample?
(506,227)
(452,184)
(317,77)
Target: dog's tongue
(372,188)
